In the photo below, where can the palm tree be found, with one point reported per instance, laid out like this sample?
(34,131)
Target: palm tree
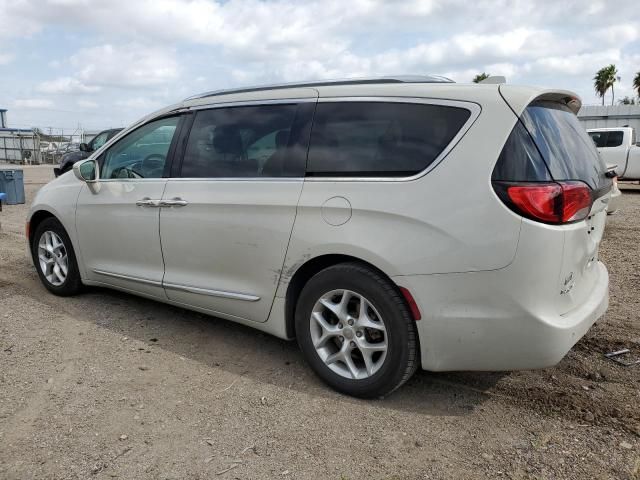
(604,80)
(480,77)
(636,83)
(599,84)
(627,101)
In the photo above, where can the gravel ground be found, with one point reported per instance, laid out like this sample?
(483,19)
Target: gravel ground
(108,385)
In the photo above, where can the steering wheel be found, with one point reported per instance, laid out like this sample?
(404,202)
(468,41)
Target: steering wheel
(152,162)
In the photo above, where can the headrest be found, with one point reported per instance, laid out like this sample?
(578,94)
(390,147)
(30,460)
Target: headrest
(227,140)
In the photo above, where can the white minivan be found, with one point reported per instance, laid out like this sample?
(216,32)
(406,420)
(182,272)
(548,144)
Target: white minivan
(384,223)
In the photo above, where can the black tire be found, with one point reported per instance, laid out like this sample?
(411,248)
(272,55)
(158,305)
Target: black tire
(72,284)
(402,357)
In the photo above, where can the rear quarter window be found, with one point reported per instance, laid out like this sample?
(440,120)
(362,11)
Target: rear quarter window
(380,139)
(563,142)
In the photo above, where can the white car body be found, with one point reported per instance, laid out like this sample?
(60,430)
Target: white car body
(617,146)
(495,291)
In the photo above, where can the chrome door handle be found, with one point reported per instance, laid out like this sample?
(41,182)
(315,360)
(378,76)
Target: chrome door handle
(148,202)
(174,202)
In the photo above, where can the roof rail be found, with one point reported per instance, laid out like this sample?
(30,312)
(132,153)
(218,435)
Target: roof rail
(321,83)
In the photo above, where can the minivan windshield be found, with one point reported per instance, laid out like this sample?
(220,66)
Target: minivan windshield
(564,144)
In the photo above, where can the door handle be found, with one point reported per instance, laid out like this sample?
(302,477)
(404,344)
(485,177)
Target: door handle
(174,202)
(148,202)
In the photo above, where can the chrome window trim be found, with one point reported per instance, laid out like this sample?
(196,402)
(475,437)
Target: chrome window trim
(238,179)
(213,293)
(474,108)
(128,180)
(253,103)
(121,276)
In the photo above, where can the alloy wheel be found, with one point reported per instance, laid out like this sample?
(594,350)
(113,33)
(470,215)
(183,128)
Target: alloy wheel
(348,334)
(53,259)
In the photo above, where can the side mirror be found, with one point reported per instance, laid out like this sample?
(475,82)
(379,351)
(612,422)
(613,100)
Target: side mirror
(86,171)
(84,147)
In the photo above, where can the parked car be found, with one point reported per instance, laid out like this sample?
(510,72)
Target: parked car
(395,223)
(618,146)
(83,150)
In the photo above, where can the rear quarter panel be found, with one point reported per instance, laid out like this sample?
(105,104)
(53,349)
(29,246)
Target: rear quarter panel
(448,220)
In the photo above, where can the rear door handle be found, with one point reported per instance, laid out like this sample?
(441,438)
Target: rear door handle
(174,202)
(148,202)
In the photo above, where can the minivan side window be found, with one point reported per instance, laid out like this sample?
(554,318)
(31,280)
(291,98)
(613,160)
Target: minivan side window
(246,141)
(142,153)
(388,139)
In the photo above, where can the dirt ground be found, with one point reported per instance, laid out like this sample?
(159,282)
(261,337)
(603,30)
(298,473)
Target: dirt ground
(108,385)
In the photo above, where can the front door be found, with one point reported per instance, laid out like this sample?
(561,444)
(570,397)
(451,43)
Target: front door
(117,219)
(229,215)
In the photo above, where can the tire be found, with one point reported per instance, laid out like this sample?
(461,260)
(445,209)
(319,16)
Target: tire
(72,283)
(344,288)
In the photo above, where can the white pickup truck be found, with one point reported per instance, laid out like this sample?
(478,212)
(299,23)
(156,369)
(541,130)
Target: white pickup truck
(617,146)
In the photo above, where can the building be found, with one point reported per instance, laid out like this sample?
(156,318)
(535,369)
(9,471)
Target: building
(603,116)
(18,145)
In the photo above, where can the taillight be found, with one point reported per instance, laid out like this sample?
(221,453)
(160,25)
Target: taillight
(550,202)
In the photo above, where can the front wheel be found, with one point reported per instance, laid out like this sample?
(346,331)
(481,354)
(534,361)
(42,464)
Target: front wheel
(356,331)
(55,259)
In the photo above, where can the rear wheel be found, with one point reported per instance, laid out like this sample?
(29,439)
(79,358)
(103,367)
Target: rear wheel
(55,259)
(356,331)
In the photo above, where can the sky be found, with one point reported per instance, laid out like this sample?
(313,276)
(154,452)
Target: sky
(105,63)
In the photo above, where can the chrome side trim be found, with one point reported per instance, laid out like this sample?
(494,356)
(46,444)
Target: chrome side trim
(213,293)
(473,108)
(128,277)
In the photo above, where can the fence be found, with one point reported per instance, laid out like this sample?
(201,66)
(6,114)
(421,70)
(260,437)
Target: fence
(20,146)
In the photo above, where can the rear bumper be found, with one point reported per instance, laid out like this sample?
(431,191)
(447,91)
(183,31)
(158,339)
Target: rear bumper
(492,321)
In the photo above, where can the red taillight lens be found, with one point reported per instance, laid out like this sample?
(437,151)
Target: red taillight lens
(553,202)
(536,201)
(576,202)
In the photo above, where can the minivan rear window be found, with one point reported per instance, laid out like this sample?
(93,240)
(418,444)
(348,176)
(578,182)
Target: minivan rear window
(380,138)
(563,142)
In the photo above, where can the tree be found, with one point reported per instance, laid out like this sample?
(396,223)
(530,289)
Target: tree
(604,80)
(636,83)
(481,76)
(627,101)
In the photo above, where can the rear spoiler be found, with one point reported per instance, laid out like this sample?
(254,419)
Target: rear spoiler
(519,97)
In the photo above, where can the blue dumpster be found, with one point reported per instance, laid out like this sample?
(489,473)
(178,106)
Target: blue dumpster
(12,184)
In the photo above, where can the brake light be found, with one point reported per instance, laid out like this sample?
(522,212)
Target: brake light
(552,202)
(576,203)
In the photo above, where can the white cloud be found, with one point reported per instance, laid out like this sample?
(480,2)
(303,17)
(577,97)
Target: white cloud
(66,85)
(138,55)
(34,103)
(583,64)
(5,58)
(138,103)
(87,104)
(130,65)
